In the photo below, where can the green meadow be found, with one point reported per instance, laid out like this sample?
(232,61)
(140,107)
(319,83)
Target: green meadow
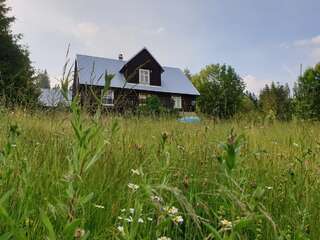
(75,176)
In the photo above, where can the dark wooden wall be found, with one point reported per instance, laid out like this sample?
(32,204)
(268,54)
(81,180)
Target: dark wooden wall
(143,60)
(128,99)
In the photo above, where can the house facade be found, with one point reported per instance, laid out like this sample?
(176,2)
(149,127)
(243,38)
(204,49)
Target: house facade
(132,82)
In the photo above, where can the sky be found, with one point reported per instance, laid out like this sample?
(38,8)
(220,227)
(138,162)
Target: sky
(264,41)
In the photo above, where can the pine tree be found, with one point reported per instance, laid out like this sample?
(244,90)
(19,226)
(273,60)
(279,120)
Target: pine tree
(17,85)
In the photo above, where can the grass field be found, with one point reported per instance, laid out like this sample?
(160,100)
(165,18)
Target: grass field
(64,176)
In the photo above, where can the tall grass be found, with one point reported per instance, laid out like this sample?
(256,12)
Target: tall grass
(72,176)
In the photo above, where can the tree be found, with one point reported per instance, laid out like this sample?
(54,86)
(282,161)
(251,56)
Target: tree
(221,90)
(276,99)
(42,79)
(188,74)
(307,94)
(249,103)
(17,84)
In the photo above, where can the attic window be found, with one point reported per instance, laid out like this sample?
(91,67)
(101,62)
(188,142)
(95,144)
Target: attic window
(144,76)
(107,98)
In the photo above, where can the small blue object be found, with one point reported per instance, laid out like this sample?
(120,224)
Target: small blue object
(189,119)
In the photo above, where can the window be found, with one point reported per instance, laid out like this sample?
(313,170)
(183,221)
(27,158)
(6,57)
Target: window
(177,102)
(142,98)
(144,76)
(107,98)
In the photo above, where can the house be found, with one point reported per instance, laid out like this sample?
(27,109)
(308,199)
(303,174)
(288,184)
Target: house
(133,81)
(53,98)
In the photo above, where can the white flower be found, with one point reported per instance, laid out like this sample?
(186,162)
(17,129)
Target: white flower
(164,238)
(140,220)
(131,210)
(295,144)
(123,210)
(135,172)
(269,188)
(173,211)
(149,219)
(156,198)
(98,206)
(226,225)
(120,229)
(133,187)
(178,219)
(129,219)
(120,218)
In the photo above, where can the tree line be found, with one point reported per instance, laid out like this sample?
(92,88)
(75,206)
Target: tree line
(222,90)
(223,95)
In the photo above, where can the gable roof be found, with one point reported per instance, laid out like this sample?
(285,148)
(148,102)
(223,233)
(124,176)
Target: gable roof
(92,71)
(53,97)
(137,54)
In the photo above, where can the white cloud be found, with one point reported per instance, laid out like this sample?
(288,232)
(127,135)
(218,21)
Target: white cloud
(86,30)
(255,85)
(315,41)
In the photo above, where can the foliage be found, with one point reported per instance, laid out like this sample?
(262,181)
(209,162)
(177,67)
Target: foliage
(156,178)
(187,73)
(276,99)
(42,79)
(307,94)
(17,85)
(221,90)
(151,106)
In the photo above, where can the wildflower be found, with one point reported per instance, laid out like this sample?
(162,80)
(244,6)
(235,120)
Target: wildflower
(79,233)
(98,206)
(131,210)
(173,211)
(295,144)
(156,199)
(164,238)
(123,210)
(178,219)
(129,219)
(140,220)
(226,225)
(120,218)
(269,188)
(149,219)
(121,229)
(135,172)
(133,187)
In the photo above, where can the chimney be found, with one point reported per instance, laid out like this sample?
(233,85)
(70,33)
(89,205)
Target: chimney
(120,56)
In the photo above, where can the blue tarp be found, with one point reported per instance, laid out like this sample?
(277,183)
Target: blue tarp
(190,119)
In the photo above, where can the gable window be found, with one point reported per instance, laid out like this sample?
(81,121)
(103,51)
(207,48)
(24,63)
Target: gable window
(142,98)
(144,76)
(177,102)
(107,98)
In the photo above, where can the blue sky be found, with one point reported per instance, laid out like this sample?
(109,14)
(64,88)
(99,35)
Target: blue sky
(263,40)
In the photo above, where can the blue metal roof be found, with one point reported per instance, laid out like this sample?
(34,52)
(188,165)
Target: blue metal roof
(92,70)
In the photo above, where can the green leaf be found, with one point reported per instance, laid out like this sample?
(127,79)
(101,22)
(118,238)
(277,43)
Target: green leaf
(5,236)
(213,231)
(86,199)
(70,228)
(46,221)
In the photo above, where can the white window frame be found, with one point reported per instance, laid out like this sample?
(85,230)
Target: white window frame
(109,95)
(177,102)
(142,97)
(144,76)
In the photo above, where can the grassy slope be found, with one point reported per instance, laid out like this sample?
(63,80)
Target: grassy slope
(274,188)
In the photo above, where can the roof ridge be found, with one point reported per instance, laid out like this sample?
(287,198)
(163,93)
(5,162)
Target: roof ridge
(113,59)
